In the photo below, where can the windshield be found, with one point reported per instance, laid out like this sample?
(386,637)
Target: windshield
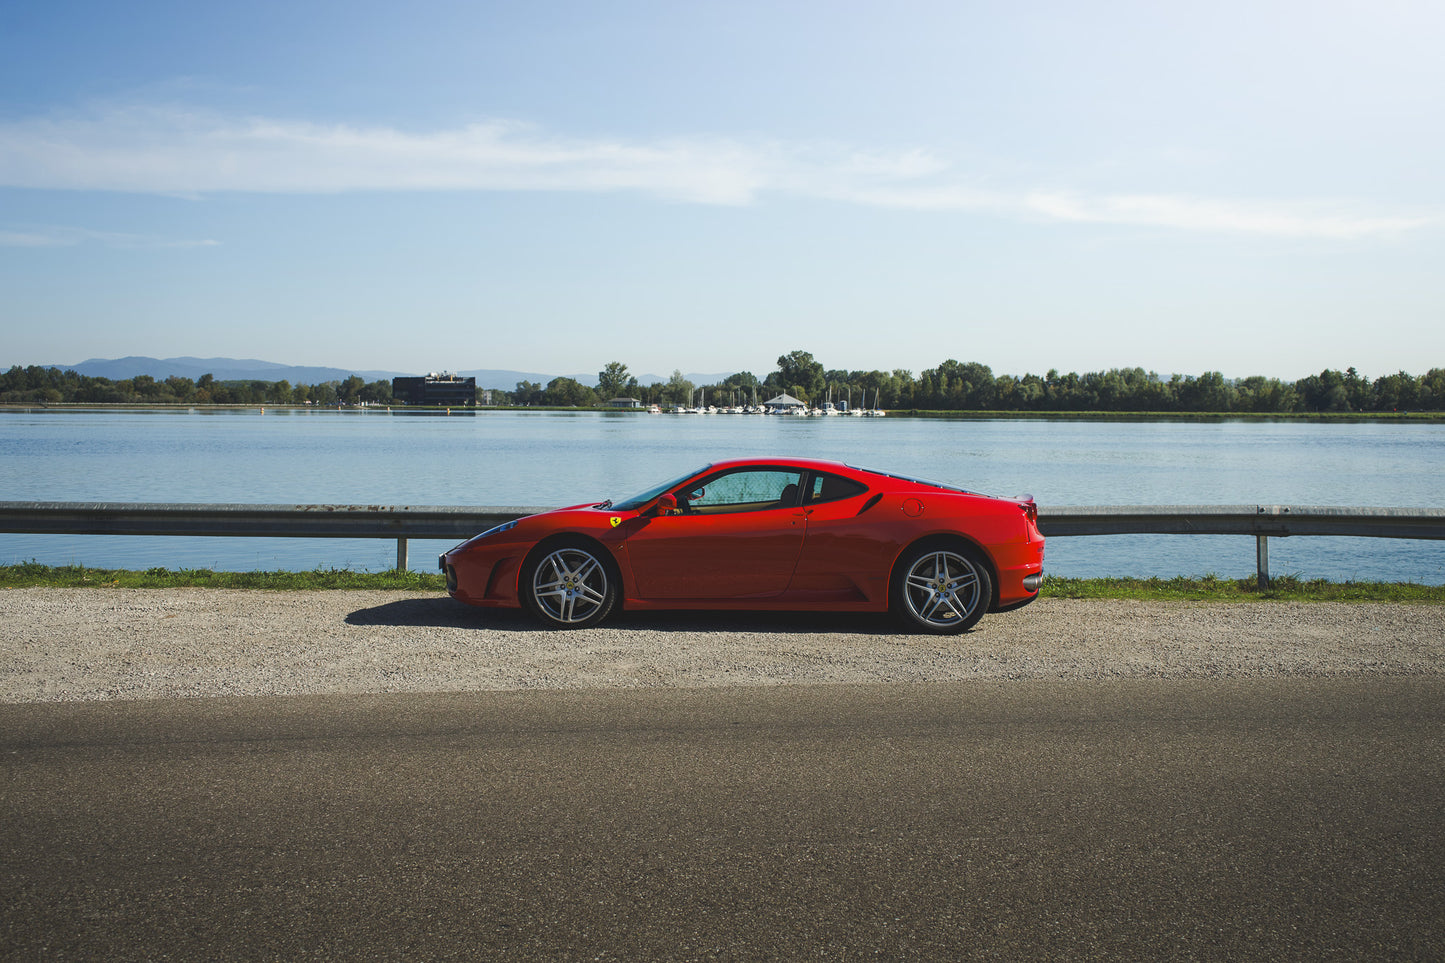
(909,478)
(637,501)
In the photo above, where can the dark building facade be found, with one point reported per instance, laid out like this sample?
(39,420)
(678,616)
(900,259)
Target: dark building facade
(441,390)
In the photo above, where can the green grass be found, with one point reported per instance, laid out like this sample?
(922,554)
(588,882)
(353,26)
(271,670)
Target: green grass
(32,575)
(1214,589)
(1207,589)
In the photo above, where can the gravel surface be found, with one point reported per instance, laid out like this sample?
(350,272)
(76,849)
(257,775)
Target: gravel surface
(69,645)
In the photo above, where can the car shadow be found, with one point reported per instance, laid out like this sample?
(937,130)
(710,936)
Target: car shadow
(440,612)
(444,612)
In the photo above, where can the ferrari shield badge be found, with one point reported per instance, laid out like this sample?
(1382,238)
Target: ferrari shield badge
(615,521)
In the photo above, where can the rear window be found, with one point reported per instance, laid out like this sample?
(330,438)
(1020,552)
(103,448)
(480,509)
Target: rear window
(831,488)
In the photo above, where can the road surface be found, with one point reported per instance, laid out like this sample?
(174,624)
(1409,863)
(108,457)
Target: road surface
(1296,818)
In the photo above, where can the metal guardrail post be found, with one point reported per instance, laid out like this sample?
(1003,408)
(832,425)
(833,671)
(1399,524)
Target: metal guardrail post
(401,554)
(1261,552)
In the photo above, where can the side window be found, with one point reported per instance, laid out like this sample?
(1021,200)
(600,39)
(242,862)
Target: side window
(831,488)
(749,490)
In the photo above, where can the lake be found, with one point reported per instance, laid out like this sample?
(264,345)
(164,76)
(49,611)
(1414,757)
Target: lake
(376,456)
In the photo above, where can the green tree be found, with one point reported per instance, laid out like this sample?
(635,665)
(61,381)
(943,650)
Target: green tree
(349,391)
(377,393)
(1431,387)
(678,390)
(1208,392)
(1324,391)
(800,373)
(182,389)
(569,393)
(613,381)
(1357,391)
(1030,392)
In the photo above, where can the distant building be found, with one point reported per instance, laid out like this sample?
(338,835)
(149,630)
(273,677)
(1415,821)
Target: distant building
(438,390)
(624,403)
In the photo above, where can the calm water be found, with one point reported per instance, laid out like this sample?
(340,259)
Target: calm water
(554,458)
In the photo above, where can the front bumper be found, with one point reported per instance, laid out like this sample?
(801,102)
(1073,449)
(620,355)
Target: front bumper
(483,578)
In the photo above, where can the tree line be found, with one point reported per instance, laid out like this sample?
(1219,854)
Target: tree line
(951,386)
(36,385)
(970,386)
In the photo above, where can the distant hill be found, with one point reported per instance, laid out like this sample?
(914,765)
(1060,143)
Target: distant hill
(222,369)
(250,369)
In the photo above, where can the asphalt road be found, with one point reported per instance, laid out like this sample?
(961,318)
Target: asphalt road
(1134,819)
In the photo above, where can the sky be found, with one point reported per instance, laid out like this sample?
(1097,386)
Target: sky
(1244,186)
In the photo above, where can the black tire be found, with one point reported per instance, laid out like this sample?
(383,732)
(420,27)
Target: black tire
(943,588)
(568,584)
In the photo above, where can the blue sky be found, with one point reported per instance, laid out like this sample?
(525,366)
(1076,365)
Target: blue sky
(1250,187)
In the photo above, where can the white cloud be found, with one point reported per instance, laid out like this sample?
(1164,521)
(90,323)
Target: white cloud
(168,151)
(30,239)
(172,152)
(1236,217)
(74,236)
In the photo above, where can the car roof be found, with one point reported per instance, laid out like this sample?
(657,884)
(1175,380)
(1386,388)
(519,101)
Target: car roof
(817,464)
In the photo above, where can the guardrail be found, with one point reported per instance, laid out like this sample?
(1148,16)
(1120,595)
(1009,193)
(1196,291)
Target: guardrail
(1262,521)
(403,522)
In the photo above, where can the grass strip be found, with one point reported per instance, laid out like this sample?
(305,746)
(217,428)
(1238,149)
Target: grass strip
(1211,588)
(34,575)
(1207,589)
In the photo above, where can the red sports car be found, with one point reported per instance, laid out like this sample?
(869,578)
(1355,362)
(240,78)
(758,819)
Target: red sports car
(764,533)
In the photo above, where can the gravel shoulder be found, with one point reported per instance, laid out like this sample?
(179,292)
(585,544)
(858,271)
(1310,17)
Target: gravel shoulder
(98,644)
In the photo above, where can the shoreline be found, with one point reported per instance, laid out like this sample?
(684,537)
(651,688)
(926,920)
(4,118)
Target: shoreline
(1339,417)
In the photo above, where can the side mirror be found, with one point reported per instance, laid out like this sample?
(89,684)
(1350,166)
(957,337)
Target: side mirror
(666,504)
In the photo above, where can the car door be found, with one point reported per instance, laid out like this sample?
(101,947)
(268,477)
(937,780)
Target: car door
(736,535)
(849,550)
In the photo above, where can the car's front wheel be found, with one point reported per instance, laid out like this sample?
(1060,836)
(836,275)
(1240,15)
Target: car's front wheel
(942,588)
(568,584)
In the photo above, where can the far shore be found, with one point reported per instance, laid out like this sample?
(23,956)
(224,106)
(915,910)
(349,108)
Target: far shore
(1392,417)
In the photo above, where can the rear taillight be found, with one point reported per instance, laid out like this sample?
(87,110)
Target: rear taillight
(1031,511)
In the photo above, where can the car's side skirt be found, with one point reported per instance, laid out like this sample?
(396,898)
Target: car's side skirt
(751,605)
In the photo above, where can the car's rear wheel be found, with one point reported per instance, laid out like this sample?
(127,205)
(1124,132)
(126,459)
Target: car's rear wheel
(943,588)
(568,584)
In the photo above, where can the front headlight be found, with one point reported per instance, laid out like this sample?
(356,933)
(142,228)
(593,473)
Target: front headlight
(504,527)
